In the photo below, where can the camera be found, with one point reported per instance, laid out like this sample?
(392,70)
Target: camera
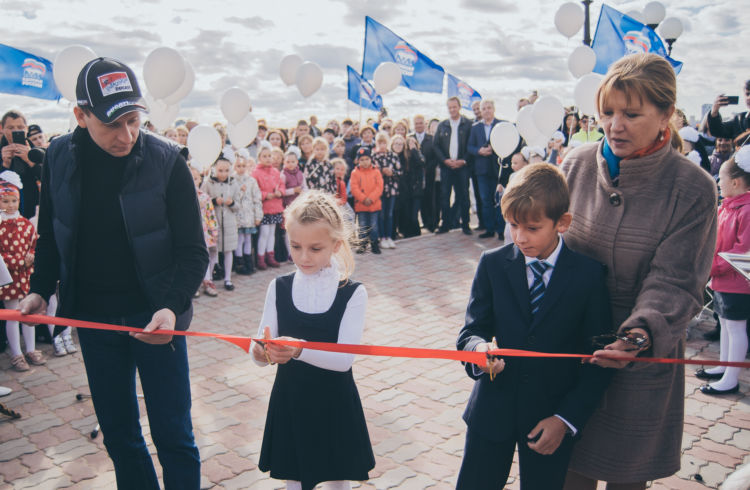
(732,99)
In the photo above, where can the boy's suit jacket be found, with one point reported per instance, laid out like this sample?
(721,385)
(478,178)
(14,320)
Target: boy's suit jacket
(574,308)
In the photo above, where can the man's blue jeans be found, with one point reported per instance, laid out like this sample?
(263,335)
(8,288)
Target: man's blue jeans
(487,188)
(111,359)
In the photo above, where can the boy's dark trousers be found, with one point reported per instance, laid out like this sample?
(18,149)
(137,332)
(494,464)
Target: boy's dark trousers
(486,464)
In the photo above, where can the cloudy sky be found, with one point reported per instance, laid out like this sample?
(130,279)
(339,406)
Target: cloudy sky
(503,48)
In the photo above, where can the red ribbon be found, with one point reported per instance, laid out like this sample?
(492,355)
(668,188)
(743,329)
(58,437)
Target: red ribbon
(479,358)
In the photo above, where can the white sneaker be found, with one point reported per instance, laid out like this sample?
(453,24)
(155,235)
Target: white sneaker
(59,346)
(4,390)
(393,244)
(69,345)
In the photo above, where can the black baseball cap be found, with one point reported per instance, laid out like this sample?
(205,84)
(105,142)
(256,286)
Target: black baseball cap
(109,89)
(364,151)
(32,130)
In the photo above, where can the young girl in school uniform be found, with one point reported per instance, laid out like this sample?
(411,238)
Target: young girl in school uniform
(315,428)
(731,290)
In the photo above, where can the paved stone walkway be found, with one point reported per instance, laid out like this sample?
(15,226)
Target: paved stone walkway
(418,295)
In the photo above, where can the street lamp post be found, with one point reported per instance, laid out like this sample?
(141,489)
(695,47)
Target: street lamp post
(586,23)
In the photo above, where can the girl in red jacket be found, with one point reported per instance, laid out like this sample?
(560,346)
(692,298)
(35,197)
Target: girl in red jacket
(731,290)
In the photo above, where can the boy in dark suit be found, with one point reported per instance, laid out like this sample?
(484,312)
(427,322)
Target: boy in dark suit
(534,294)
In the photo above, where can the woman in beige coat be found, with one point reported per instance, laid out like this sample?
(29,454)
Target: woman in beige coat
(649,215)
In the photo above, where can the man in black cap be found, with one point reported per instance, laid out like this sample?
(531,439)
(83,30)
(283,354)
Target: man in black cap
(120,229)
(36,136)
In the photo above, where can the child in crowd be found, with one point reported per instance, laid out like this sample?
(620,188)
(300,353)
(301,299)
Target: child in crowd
(271,190)
(249,215)
(319,171)
(366,186)
(315,427)
(305,146)
(210,232)
(517,162)
(339,149)
(340,169)
(390,167)
(294,183)
(17,241)
(224,192)
(731,290)
(277,158)
(538,295)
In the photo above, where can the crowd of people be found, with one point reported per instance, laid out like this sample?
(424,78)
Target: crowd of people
(296,194)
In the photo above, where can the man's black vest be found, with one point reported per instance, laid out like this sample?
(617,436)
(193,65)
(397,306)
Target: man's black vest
(142,202)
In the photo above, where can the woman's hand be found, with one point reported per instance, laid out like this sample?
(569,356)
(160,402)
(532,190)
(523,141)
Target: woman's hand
(625,351)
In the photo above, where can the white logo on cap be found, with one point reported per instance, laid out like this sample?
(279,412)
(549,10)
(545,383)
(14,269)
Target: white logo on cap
(115,82)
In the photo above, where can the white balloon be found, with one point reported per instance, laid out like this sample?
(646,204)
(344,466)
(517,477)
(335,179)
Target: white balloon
(235,104)
(581,61)
(525,124)
(68,64)
(654,12)
(288,68)
(585,93)
(163,72)
(161,114)
(309,78)
(204,144)
(186,87)
(504,138)
(243,133)
(547,113)
(636,15)
(387,77)
(569,19)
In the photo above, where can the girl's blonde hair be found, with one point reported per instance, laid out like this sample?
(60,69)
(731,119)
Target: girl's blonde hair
(340,161)
(320,141)
(383,136)
(316,206)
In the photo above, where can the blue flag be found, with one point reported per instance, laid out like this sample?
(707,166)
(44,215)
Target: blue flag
(419,72)
(22,73)
(361,92)
(462,90)
(618,35)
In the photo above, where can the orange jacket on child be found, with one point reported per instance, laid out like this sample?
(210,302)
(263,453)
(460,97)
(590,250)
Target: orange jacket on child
(364,183)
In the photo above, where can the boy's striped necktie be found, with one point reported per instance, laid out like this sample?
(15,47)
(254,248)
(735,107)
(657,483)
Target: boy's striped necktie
(536,292)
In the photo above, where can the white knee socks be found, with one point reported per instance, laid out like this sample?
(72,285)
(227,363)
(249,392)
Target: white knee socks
(735,351)
(14,336)
(266,239)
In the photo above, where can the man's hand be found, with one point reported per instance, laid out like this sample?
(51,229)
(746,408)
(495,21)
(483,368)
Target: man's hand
(720,101)
(33,304)
(163,319)
(485,151)
(553,431)
(497,364)
(8,154)
(459,163)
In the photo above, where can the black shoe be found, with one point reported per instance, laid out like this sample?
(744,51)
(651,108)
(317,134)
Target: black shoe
(487,234)
(703,374)
(375,247)
(228,286)
(480,227)
(441,230)
(248,259)
(467,231)
(713,334)
(707,390)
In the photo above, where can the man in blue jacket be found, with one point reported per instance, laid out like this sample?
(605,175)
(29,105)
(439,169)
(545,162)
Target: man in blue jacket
(486,167)
(120,229)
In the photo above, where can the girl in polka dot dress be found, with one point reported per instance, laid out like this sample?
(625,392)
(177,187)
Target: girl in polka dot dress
(17,240)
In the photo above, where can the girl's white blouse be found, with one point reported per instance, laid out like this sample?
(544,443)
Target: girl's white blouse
(315,293)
